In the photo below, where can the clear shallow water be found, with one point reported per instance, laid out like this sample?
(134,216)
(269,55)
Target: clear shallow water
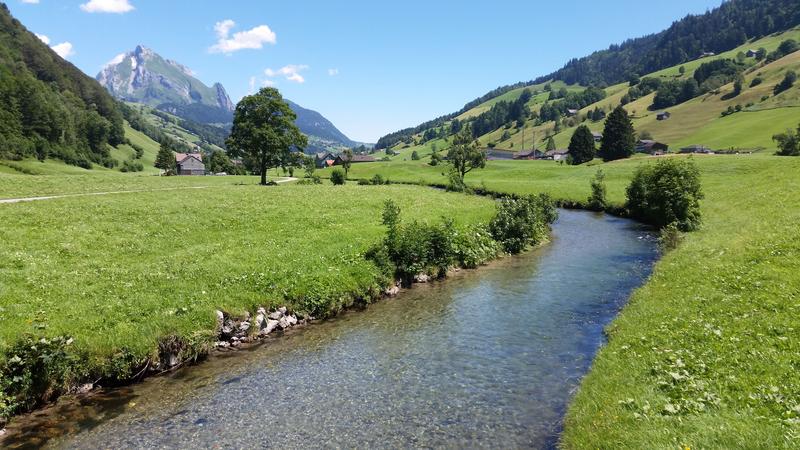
(489,358)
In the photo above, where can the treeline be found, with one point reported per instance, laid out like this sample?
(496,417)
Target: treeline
(208,133)
(723,28)
(554,110)
(139,123)
(709,77)
(49,108)
(407,135)
(501,114)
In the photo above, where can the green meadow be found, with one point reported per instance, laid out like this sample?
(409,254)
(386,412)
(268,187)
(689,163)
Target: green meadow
(705,353)
(117,272)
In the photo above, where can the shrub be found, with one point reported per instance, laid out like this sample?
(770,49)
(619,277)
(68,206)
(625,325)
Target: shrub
(788,143)
(597,200)
(786,83)
(415,156)
(669,238)
(131,166)
(474,246)
(756,81)
(337,177)
(35,371)
(666,192)
(521,222)
(377,179)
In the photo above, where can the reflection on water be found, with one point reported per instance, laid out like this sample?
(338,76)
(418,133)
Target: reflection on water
(487,359)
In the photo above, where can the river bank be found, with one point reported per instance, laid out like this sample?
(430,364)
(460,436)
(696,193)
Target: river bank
(489,356)
(142,288)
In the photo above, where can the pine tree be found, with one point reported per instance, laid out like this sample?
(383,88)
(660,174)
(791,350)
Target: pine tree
(165,159)
(581,146)
(551,144)
(619,138)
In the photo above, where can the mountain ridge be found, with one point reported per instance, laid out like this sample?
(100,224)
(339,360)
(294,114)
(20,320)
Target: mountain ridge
(143,76)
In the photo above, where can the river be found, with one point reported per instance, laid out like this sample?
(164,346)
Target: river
(489,358)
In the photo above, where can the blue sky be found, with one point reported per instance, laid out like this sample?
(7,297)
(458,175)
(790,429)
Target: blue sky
(371,67)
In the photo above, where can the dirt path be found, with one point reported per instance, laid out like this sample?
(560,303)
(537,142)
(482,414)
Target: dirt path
(51,197)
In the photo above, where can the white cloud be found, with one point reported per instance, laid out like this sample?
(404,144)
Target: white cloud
(31,2)
(224,28)
(254,38)
(63,49)
(333,72)
(107,6)
(290,72)
(251,86)
(268,83)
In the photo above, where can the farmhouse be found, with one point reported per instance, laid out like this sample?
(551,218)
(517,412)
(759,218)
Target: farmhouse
(752,53)
(355,159)
(663,115)
(494,154)
(529,154)
(597,136)
(696,148)
(572,112)
(651,147)
(557,155)
(190,164)
(324,159)
(706,54)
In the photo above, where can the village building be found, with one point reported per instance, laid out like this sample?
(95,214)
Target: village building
(355,159)
(707,54)
(597,136)
(529,154)
(572,112)
(324,159)
(663,115)
(495,154)
(696,148)
(752,53)
(190,164)
(651,147)
(557,155)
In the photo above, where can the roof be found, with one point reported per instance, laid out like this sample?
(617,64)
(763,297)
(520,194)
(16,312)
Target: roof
(695,147)
(596,134)
(562,151)
(358,158)
(179,157)
(526,153)
(646,142)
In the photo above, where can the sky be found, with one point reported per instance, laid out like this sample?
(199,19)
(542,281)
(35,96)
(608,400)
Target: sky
(371,67)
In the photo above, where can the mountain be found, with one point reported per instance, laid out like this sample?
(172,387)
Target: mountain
(143,76)
(315,124)
(731,25)
(48,107)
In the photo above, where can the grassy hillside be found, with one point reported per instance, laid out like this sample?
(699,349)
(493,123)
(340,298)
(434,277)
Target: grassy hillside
(703,355)
(697,121)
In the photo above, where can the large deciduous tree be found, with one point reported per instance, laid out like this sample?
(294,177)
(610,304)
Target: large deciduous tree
(619,137)
(464,155)
(264,131)
(581,146)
